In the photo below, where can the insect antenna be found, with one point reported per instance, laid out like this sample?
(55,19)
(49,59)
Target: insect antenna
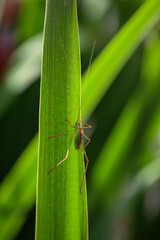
(90,61)
(69,68)
(67,61)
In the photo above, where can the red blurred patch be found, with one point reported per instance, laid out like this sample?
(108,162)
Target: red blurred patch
(7,34)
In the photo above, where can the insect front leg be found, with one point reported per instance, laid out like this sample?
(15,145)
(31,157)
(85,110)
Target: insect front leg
(69,122)
(58,135)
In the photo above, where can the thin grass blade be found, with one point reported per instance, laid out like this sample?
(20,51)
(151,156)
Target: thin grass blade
(61,209)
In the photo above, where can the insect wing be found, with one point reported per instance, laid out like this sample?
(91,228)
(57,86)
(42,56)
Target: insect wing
(78,140)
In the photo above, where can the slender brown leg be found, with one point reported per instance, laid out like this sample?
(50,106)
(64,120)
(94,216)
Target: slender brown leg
(68,122)
(61,134)
(87,124)
(85,169)
(87,139)
(58,135)
(65,157)
(59,162)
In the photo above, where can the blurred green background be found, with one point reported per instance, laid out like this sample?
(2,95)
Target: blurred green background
(123,175)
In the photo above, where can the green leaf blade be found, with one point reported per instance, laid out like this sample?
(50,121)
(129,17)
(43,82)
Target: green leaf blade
(61,209)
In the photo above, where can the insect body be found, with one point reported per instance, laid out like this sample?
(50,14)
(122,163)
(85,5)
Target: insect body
(78,142)
(79,136)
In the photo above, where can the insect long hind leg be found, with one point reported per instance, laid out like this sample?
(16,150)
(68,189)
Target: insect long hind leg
(70,142)
(59,162)
(87,162)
